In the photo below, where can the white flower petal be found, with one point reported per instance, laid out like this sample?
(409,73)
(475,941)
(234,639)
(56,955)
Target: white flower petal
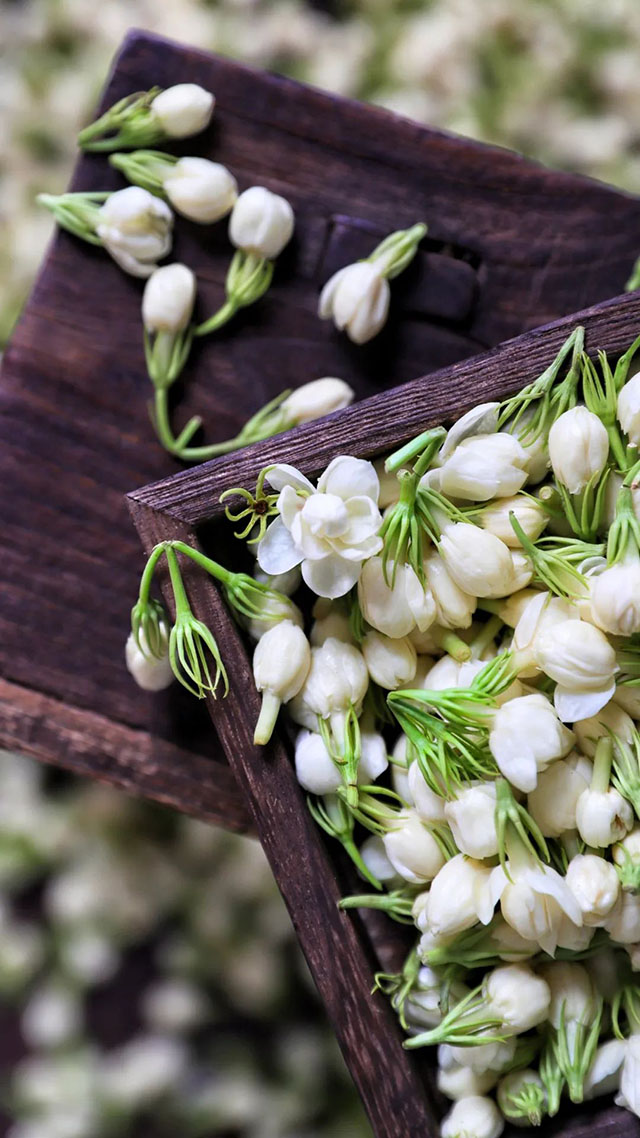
(572,706)
(350,478)
(289,505)
(282,474)
(277,552)
(480,420)
(330,576)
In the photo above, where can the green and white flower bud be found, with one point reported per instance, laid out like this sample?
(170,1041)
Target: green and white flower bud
(168,299)
(394,609)
(615,598)
(581,660)
(628,409)
(603,817)
(480,420)
(281,662)
(453,607)
(571,990)
(479,563)
(317,772)
(578,448)
(531,516)
(525,737)
(603,1076)
(391,663)
(541,612)
(316,399)
(183,110)
(374,857)
(357,299)
(457,1082)
(471,816)
(610,720)
(519,997)
(428,805)
(337,680)
(484,467)
(262,223)
(626,855)
(135,227)
(473,1117)
(201,190)
(521,1097)
(535,903)
(460,896)
(412,849)
(552,804)
(623,922)
(151,673)
(595,886)
(486,1056)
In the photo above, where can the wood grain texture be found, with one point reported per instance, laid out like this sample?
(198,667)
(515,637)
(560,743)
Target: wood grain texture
(310,876)
(510,245)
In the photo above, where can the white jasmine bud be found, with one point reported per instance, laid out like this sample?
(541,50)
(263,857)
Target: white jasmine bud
(615,598)
(611,719)
(529,513)
(541,612)
(428,805)
(357,299)
(261,223)
(373,854)
(603,1076)
(479,420)
(486,1056)
(317,772)
(581,660)
(552,804)
(183,110)
(536,901)
(270,611)
(454,607)
(484,467)
(510,609)
(525,737)
(460,896)
(135,228)
(629,409)
(286,583)
(316,399)
(412,848)
(473,1117)
(572,995)
(168,299)
(281,662)
(603,817)
(578,448)
(518,996)
(522,1097)
(623,922)
(337,680)
(479,563)
(456,1082)
(201,190)
(595,886)
(336,624)
(471,816)
(151,673)
(626,855)
(391,663)
(394,609)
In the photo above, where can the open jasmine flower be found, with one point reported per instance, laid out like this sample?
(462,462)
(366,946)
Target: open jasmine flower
(329,530)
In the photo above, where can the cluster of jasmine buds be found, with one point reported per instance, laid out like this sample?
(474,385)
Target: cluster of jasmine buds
(357,297)
(196,188)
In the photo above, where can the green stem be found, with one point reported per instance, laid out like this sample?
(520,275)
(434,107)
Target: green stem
(161,420)
(453,645)
(149,570)
(201,454)
(212,567)
(618,448)
(218,320)
(267,718)
(179,592)
(485,636)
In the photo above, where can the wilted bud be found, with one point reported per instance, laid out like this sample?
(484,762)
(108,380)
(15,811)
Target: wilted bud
(262,223)
(183,110)
(357,299)
(578,448)
(201,190)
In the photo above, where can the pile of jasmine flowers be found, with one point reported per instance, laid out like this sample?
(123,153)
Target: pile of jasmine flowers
(475,639)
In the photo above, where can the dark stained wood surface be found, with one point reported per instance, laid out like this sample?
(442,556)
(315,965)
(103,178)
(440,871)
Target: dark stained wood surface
(339,948)
(510,245)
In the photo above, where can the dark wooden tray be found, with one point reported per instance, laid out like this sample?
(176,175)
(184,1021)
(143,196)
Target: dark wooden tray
(510,245)
(342,950)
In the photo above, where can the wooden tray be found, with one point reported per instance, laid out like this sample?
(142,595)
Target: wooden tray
(342,951)
(510,245)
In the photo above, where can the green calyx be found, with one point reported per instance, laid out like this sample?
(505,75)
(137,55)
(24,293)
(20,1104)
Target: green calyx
(625,768)
(78,213)
(397,251)
(624,533)
(584,511)
(191,643)
(345,749)
(469,1023)
(334,817)
(396,904)
(537,406)
(128,123)
(573,1045)
(398,985)
(513,821)
(527,1104)
(248,278)
(556,560)
(146,168)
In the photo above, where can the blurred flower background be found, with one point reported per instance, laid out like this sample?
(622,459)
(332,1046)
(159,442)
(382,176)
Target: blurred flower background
(150,981)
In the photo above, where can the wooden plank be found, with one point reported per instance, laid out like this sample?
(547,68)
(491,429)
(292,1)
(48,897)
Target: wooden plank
(306,869)
(510,245)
